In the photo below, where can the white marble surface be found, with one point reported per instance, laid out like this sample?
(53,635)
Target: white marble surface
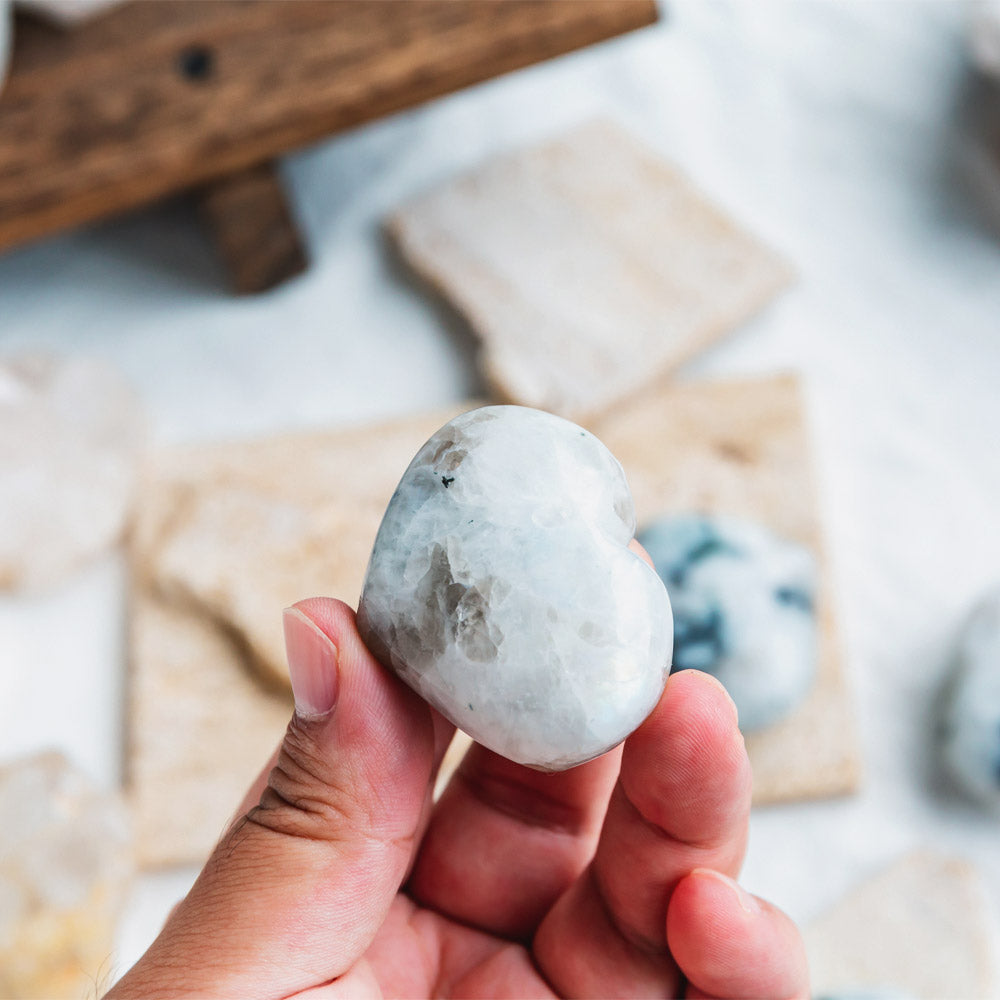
(847,133)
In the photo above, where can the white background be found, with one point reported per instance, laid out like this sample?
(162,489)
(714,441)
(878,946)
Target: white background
(850,135)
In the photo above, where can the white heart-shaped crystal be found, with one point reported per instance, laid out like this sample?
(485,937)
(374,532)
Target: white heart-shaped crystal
(502,590)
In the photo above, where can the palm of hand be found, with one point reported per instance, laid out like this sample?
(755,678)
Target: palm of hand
(610,879)
(525,883)
(420,953)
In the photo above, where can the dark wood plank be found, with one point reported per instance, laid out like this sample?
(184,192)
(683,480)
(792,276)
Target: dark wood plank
(252,226)
(162,95)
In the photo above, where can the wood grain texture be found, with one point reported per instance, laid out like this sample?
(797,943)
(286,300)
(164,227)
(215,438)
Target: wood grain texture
(253,228)
(163,95)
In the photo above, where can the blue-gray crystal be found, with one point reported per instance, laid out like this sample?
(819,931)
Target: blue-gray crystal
(743,601)
(971,730)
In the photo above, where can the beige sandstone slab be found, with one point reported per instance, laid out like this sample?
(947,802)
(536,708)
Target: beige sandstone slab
(239,531)
(922,928)
(229,534)
(742,448)
(200,728)
(587,266)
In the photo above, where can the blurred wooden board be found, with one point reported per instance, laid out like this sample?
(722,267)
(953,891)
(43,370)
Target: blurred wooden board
(296,515)
(159,96)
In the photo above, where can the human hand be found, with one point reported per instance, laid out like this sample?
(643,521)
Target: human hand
(341,877)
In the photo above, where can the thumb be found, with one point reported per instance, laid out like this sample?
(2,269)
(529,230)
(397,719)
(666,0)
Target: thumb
(297,888)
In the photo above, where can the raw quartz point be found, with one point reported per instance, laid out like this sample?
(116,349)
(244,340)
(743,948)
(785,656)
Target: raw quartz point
(743,601)
(65,867)
(971,720)
(71,436)
(501,589)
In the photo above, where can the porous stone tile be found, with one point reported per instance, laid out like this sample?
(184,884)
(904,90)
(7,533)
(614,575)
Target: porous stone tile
(236,531)
(587,266)
(200,728)
(741,448)
(920,928)
(227,535)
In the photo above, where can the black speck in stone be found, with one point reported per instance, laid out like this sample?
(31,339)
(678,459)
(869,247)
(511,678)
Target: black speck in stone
(196,62)
(446,481)
(471,709)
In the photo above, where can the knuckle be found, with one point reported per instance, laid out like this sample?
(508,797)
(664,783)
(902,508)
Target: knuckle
(305,794)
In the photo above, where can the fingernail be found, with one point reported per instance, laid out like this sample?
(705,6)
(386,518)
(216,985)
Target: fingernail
(312,665)
(748,903)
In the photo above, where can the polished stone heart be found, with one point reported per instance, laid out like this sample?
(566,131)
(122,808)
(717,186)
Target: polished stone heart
(502,590)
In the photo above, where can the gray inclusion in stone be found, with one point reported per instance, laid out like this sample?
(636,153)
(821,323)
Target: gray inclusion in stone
(743,604)
(970,743)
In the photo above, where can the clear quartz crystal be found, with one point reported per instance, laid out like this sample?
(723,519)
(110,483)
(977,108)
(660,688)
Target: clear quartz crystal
(65,866)
(501,588)
(71,436)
